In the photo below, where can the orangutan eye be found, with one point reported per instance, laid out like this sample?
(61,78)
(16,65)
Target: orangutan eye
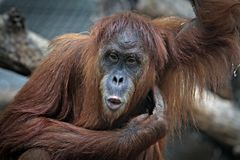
(131,60)
(113,57)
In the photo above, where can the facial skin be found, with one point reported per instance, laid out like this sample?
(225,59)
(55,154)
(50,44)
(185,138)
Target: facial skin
(123,61)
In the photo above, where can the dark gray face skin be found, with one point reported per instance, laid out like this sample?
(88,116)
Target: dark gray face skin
(122,64)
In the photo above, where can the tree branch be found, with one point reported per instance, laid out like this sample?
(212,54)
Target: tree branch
(219,118)
(20,49)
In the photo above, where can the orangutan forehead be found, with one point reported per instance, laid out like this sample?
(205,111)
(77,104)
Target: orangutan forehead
(128,39)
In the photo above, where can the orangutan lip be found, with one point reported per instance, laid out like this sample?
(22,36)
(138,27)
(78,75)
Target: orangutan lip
(114,102)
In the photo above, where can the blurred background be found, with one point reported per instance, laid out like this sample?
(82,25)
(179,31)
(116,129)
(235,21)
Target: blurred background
(26,27)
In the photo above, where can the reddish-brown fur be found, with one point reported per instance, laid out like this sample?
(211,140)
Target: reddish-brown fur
(59,109)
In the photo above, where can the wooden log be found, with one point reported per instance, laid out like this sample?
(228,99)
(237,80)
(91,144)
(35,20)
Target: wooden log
(220,119)
(20,50)
(158,8)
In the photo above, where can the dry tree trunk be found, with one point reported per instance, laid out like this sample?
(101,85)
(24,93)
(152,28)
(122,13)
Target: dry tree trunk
(157,8)
(220,119)
(20,49)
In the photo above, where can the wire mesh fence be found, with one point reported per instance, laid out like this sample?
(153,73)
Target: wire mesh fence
(50,18)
